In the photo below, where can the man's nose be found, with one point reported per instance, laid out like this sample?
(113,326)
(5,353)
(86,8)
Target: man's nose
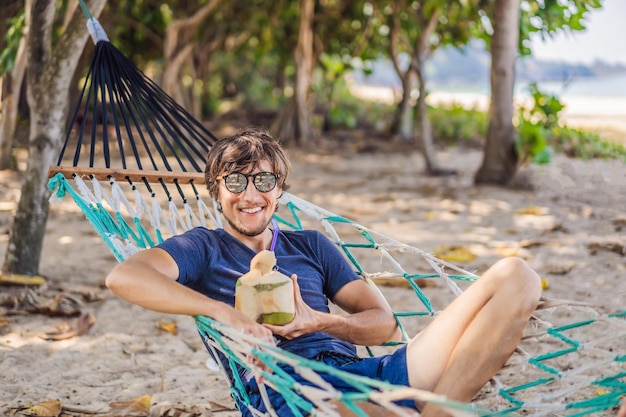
(250,188)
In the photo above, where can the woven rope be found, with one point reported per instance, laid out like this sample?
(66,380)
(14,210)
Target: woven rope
(572,359)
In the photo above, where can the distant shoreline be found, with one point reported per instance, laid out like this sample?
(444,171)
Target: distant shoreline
(605,115)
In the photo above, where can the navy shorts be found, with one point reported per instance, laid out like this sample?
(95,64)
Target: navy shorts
(390,368)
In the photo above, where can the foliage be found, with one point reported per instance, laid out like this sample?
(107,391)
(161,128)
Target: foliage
(540,132)
(534,124)
(137,28)
(453,124)
(348,112)
(13,36)
(258,71)
(261,92)
(532,142)
(548,17)
(581,144)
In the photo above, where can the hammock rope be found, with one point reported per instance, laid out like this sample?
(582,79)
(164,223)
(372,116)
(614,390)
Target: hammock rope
(543,370)
(566,367)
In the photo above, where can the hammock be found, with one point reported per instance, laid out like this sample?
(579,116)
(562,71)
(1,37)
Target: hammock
(142,182)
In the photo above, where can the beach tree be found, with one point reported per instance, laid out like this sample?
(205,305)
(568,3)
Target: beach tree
(216,44)
(513,22)
(416,30)
(342,34)
(12,71)
(500,158)
(52,46)
(180,40)
(296,125)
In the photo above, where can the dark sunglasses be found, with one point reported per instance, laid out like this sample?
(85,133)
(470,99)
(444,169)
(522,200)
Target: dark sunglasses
(237,182)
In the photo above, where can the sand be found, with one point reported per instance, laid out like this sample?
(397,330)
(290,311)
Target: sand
(570,226)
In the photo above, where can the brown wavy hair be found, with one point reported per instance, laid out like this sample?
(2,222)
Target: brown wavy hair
(244,151)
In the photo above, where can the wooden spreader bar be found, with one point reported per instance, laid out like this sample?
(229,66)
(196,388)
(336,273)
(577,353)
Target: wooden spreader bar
(135,175)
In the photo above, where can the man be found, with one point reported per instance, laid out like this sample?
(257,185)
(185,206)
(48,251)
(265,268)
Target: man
(195,274)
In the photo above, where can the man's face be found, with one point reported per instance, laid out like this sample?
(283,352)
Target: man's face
(249,212)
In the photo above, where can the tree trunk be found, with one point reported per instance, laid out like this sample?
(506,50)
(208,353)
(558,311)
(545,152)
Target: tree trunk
(404,116)
(178,45)
(295,125)
(402,127)
(12,87)
(415,74)
(500,158)
(425,136)
(11,92)
(284,127)
(8,9)
(48,80)
(421,55)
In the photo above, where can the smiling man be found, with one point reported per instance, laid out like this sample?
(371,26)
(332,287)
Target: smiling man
(195,274)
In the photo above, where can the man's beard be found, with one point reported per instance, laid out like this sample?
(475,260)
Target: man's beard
(246,232)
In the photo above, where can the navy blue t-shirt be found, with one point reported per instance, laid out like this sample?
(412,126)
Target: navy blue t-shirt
(211,261)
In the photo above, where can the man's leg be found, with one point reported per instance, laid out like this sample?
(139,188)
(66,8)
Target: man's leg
(472,338)
(622,410)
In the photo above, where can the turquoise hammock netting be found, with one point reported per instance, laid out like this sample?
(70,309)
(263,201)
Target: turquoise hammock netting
(133,162)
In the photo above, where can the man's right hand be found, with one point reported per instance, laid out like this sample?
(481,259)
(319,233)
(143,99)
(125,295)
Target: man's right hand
(237,320)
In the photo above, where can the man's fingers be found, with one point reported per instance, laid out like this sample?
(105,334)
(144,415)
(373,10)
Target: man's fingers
(296,287)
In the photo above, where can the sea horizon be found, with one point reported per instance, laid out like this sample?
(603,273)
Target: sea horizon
(598,103)
(613,85)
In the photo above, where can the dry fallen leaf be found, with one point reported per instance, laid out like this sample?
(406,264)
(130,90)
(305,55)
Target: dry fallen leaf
(507,251)
(401,282)
(454,253)
(395,281)
(616,246)
(59,304)
(429,215)
(136,407)
(183,410)
(48,408)
(66,330)
(18,279)
(532,211)
(169,327)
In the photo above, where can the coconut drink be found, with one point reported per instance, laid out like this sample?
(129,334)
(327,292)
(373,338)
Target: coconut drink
(264,294)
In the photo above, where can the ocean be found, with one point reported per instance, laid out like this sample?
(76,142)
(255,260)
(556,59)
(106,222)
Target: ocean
(600,87)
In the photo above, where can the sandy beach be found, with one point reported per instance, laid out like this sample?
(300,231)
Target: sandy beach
(567,221)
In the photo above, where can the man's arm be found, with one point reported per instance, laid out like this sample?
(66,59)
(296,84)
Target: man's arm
(370,320)
(148,279)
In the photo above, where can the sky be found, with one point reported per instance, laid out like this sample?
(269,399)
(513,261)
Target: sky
(604,38)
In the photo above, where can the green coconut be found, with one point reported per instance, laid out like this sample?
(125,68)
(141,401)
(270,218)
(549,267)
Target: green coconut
(263,294)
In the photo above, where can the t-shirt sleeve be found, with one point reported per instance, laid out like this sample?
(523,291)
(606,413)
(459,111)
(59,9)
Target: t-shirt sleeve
(191,253)
(337,270)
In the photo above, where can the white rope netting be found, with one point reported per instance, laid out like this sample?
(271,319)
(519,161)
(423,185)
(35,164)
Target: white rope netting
(571,361)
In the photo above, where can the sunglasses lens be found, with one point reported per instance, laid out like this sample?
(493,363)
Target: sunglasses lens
(236,182)
(264,181)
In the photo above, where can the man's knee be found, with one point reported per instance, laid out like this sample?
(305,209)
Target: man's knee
(516,276)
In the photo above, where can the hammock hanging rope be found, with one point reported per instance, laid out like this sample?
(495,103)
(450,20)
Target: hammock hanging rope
(134,125)
(127,131)
(126,135)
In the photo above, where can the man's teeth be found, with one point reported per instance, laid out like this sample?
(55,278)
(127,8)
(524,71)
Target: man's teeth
(252,210)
